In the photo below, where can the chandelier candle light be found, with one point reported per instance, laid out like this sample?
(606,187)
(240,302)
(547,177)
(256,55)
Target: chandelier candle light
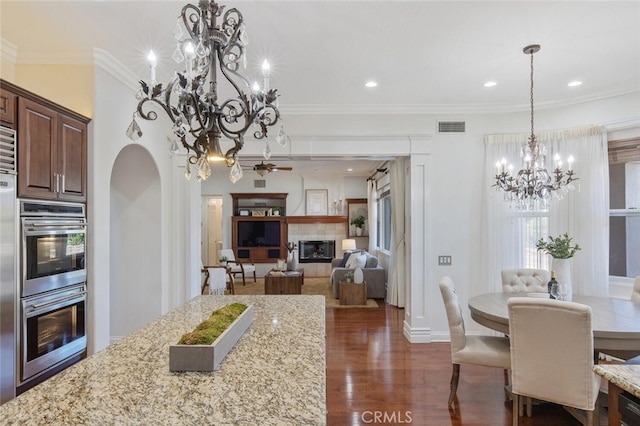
(533,183)
(200,120)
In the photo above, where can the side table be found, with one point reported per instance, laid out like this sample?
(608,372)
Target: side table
(353,294)
(276,282)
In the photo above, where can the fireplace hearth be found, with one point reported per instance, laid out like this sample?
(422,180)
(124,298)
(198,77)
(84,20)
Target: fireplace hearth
(316,251)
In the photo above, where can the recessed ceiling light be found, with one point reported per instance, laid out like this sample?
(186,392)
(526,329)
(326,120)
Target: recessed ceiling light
(490,84)
(349,169)
(574,83)
(370,84)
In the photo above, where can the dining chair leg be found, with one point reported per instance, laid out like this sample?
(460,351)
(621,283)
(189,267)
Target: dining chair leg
(529,406)
(243,280)
(455,376)
(515,408)
(205,283)
(232,289)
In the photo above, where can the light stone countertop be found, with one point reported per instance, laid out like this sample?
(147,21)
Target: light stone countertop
(275,375)
(626,377)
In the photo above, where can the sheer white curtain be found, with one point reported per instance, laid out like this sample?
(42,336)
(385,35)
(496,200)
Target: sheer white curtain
(583,213)
(372,209)
(396,291)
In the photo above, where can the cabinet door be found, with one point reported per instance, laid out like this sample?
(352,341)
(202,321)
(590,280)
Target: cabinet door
(72,159)
(37,131)
(8,108)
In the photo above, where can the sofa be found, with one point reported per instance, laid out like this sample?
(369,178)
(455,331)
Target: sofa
(375,276)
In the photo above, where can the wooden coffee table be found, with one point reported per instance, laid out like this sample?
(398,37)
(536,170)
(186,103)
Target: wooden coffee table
(289,282)
(353,294)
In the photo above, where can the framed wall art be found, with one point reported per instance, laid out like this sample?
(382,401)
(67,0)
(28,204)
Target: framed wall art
(317,202)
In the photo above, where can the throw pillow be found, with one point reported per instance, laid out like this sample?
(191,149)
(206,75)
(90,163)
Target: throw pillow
(343,262)
(352,262)
(356,260)
(372,262)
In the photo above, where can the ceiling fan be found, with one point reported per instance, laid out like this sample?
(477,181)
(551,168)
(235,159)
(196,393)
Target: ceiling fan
(263,169)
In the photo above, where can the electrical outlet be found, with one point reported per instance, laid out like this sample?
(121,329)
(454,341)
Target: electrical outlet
(444,260)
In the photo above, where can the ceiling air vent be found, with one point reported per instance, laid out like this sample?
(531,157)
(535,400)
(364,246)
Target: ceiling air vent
(259,183)
(451,126)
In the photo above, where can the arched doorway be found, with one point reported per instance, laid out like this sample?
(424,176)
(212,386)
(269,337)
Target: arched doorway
(135,236)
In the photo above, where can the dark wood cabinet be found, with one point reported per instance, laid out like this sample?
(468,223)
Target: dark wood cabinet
(8,105)
(52,148)
(259,239)
(259,234)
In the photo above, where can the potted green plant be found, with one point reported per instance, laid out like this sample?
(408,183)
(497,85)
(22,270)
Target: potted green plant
(348,276)
(358,222)
(275,211)
(224,260)
(561,249)
(204,348)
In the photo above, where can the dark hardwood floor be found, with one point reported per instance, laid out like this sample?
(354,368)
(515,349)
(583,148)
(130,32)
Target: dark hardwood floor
(375,376)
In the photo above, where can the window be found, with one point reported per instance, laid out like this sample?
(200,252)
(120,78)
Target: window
(533,226)
(624,213)
(384,219)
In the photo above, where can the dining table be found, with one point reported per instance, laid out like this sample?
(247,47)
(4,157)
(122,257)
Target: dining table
(615,322)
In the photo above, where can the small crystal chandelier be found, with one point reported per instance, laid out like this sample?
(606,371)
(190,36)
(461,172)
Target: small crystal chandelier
(533,183)
(199,118)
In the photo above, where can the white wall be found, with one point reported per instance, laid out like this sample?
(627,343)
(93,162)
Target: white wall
(452,182)
(135,288)
(114,105)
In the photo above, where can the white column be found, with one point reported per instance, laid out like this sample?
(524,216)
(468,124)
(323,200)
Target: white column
(416,323)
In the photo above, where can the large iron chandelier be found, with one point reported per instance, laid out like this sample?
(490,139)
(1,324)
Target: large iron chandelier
(200,120)
(533,183)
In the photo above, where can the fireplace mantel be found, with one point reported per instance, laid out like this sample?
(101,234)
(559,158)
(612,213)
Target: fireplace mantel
(316,219)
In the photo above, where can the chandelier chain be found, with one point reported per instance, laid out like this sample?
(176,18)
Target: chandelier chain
(531,98)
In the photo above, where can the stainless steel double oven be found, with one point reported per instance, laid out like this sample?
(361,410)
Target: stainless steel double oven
(53,293)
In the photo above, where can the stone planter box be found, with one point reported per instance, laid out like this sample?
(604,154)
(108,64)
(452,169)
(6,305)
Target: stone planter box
(209,357)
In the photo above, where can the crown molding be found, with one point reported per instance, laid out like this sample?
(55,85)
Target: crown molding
(115,68)
(439,109)
(8,51)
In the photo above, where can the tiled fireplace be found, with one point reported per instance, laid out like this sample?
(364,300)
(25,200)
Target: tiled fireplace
(318,232)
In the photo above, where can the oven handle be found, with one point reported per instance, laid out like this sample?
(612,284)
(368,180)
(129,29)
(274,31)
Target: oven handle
(37,306)
(56,224)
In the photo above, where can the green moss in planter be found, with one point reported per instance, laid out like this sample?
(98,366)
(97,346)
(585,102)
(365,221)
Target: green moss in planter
(208,330)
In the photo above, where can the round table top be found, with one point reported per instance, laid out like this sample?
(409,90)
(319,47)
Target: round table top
(615,322)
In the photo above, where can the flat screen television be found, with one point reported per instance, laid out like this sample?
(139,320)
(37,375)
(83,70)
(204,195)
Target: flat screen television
(258,233)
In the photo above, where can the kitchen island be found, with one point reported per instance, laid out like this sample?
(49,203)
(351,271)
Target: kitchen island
(274,375)
(621,378)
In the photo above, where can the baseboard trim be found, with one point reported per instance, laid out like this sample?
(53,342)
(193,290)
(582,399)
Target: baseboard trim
(416,335)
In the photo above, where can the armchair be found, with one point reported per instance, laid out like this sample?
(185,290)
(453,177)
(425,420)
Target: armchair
(236,266)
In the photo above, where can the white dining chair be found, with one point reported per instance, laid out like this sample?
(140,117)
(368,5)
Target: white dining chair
(525,280)
(490,351)
(552,355)
(238,267)
(635,293)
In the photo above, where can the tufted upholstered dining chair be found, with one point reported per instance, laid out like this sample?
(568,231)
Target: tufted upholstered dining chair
(635,293)
(525,280)
(238,267)
(549,362)
(490,351)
